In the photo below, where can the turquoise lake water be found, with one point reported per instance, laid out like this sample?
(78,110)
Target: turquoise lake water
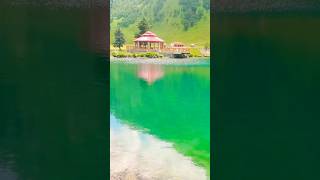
(169,103)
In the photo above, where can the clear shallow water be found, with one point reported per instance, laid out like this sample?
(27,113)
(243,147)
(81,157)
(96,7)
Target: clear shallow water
(138,155)
(170,103)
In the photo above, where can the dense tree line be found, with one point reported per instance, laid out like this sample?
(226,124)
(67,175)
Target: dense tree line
(128,12)
(157,13)
(192,12)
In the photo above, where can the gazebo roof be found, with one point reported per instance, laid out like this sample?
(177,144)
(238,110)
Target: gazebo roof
(148,37)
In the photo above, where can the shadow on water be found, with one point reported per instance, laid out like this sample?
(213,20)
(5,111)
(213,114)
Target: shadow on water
(266,100)
(54,103)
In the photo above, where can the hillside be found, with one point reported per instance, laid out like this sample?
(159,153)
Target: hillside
(187,21)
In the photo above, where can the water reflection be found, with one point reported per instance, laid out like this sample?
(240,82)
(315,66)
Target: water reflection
(150,72)
(135,155)
(174,107)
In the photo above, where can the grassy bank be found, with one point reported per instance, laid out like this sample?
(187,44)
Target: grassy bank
(124,54)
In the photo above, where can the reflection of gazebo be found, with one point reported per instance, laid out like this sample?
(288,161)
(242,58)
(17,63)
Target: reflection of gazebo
(149,40)
(150,72)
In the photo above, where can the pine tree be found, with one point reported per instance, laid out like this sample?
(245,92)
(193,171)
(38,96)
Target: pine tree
(119,39)
(143,27)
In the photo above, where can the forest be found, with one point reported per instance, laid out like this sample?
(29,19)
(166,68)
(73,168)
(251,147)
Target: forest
(187,21)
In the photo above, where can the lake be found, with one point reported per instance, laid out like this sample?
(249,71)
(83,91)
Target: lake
(160,120)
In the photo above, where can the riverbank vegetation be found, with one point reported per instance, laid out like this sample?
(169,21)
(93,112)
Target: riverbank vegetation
(195,53)
(124,54)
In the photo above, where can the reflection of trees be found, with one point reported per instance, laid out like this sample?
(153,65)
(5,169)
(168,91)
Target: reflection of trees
(53,108)
(175,108)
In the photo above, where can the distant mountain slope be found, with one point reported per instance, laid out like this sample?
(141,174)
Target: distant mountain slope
(186,21)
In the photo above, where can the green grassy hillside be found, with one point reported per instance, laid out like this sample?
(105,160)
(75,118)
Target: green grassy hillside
(186,21)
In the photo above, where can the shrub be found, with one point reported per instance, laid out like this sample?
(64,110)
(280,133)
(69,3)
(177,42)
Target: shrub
(114,54)
(151,54)
(141,55)
(123,54)
(195,52)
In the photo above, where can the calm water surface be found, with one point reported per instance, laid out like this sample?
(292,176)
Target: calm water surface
(167,107)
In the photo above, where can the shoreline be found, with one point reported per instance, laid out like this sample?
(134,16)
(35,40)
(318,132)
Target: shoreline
(164,61)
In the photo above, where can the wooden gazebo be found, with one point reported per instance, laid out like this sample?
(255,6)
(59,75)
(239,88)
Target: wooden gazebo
(149,41)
